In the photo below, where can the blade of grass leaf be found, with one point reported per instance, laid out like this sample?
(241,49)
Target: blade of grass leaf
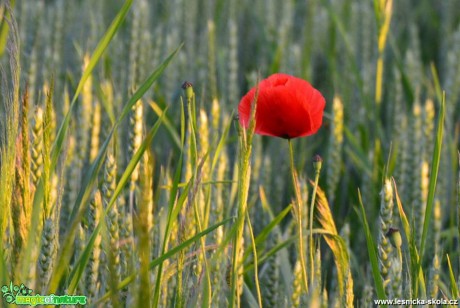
(79,269)
(158,261)
(453,282)
(167,123)
(108,106)
(62,132)
(417,276)
(251,300)
(173,211)
(274,221)
(97,54)
(372,251)
(437,84)
(261,260)
(221,143)
(433,176)
(91,176)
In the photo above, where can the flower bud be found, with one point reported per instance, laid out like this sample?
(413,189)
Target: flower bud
(188,87)
(317,163)
(395,237)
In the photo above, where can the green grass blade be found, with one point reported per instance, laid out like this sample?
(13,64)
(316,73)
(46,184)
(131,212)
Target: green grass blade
(289,241)
(79,269)
(147,84)
(437,84)
(433,175)
(250,299)
(167,123)
(61,135)
(172,214)
(159,261)
(417,276)
(91,176)
(108,106)
(453,282)
(221,144)
(274,222)
(96,56)
(372,251)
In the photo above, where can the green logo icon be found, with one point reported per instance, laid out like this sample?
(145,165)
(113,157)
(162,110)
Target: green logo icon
(22,295)
(9,293)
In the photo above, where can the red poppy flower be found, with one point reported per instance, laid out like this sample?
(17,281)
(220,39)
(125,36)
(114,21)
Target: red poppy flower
(287,107)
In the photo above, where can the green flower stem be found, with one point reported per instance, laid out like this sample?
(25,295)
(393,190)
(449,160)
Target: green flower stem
(317,165)
(298,215)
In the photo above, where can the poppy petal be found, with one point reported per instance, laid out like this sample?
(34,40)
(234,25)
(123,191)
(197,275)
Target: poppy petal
(287,107)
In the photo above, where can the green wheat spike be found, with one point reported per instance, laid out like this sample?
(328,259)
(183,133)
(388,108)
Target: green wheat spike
(84,115)
(212,70)
(334,158)
(188,21)
(296,295)
(367,299)
(284,32)
(349,294)
(58,39)
(452,79)
(416,156)
(367,47)
(217,214)
(428,123)
(385,222)
(413,58)
(127,253)
(93,281)
(37,146)
(144,228)
(95,131)
(316,287)
(113,252)
(395,275)
(434,272)
(135,139)
(32,73)
(48,253)
(270,280)
(24,208)
(233,66)
(134,47)
(145,46)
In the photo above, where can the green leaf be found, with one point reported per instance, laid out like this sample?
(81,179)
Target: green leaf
(417,276)
(274,222)
(167,123)
(433,176)
(79,268)
(159,261)
(91,175)
(372,251)
(96,56)
(172,214)
(453,282)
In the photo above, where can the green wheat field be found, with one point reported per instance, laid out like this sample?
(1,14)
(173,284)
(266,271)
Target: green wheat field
(119,185)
